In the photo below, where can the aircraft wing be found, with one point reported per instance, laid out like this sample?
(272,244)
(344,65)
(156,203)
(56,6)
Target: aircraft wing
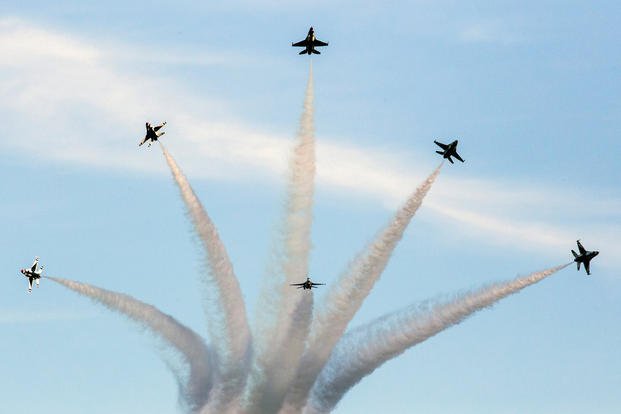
(458,157)
(441,145)
(296,284)
(300,43)
(319,43)
(582,249)
(317,284)
(34,265)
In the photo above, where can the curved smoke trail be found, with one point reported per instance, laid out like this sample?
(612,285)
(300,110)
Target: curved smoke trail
(286,329)
(364,349)
(228,326)
(198,385)
(346,297)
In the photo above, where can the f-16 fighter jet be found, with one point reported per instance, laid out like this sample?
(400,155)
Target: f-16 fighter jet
(449,150)
(308,285)
(585,257)
(152,133)
(33,273)
(310,43)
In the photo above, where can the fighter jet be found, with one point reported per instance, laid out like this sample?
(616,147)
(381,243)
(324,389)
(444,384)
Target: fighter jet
(152,133)
(309,43)
(584,257)
(33,273)
(308,285)
(450,150)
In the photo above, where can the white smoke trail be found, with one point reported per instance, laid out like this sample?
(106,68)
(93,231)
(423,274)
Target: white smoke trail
(364,349)
(286,314)
(225,307)
(277,378)
(346,297)
(197,386)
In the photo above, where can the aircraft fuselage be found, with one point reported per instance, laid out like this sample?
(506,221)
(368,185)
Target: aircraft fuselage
(30,274)
(449,150)
(309,43)
(584,256)
(152,133)
(32,277)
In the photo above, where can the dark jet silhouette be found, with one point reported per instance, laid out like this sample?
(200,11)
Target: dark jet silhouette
(308,285)
(449,150)
(310,43)
(585,257)
(33,273)
(152,133)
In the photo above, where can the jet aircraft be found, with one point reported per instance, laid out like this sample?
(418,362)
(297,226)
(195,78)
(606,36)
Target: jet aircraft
(585,257)
(308,285)
(33,273)
(152,133)
(449,150)
(310,43)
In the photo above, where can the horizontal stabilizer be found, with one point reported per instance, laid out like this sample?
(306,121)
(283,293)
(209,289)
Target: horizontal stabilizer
(302,52)
(440,152)
(316,52)
(578,264)
(575,254)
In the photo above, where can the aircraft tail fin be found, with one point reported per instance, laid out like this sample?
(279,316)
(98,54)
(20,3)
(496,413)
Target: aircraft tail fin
(316,52)
(575,254)
(578,264)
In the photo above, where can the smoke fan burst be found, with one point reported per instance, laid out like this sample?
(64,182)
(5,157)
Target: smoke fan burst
(300,359)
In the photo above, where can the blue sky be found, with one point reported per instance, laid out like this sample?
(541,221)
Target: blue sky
(531,89)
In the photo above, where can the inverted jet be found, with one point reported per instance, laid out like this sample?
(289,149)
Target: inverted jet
(585,257)
(33,273)
(449,150)
(152,133)
(308,285)
(310,43)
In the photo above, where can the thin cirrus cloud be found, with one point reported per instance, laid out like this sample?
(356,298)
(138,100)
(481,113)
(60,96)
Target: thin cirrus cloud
(12,316)
(70,86)
(490,31)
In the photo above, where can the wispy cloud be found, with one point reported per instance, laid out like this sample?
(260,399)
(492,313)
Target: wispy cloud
(12,316)
(92,113)
(490,31)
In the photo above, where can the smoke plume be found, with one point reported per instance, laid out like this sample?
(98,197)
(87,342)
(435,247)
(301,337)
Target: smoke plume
(364,349)
(195,389)
(225,308)
(286,325)
(347,295)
